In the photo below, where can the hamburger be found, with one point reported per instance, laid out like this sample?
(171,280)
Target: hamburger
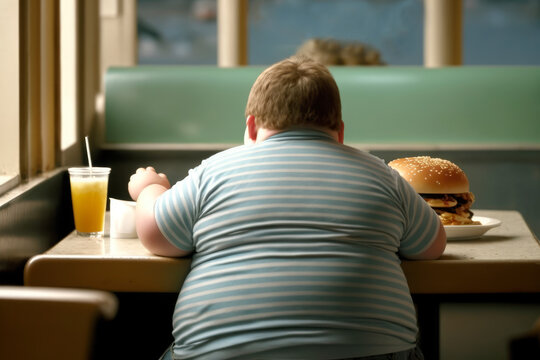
(442,184)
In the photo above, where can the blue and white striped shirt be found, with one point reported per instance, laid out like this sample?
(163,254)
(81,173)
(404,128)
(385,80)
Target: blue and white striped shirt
(296,244)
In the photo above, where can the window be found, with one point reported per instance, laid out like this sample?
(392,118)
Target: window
(177,32)
(501,32)
(393,28)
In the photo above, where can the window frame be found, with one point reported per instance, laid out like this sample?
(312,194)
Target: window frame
(9,94)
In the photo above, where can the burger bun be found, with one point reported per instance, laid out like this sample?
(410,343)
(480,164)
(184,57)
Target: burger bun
(429,175)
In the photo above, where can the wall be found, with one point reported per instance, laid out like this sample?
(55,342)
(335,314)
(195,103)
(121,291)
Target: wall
(482,330)
(33,218)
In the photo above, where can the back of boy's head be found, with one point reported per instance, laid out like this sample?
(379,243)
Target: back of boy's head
(295,92)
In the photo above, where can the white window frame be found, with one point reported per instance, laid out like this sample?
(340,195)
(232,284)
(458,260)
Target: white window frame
(9,94)
(78,23)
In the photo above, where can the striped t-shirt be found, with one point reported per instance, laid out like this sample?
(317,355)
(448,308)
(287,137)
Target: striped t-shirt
(296,242)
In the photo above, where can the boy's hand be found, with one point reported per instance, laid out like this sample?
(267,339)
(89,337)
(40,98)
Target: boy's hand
(144,177)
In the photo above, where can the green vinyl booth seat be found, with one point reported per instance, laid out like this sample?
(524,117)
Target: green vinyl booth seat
(461,106)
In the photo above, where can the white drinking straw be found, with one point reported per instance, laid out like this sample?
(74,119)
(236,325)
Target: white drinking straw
(88,154)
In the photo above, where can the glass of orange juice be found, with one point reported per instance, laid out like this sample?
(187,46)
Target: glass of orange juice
(89,198)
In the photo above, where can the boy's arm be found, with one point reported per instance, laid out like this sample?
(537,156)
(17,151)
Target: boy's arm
(425,226)
(145,187)
(145,222)
(436,248)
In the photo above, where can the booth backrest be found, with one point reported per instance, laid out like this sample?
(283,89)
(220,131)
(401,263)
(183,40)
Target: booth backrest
(381,105)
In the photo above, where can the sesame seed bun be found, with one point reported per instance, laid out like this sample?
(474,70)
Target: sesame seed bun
(429,175)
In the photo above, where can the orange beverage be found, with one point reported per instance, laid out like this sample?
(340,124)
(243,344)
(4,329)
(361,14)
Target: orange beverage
(89,199)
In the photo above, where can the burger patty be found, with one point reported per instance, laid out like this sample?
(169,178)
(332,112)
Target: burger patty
(450,201)
(453,209)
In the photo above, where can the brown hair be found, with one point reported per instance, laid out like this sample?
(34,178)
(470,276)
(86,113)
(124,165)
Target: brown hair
(295,92)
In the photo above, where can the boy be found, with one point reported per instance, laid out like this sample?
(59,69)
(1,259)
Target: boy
(295,237)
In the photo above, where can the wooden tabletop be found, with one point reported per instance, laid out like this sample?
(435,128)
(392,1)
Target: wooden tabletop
(506,259)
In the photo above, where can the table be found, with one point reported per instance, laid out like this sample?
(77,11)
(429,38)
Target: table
(489,264)
(506,260)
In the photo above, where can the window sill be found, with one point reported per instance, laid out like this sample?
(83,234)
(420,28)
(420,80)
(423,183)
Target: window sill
(12,187)
(8,182)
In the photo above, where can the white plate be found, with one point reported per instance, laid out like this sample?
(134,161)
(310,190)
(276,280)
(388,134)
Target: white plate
(468,232)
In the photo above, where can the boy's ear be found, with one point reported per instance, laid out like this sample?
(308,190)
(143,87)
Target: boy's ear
(251,128)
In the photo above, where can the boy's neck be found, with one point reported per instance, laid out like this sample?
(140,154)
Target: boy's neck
(263,133)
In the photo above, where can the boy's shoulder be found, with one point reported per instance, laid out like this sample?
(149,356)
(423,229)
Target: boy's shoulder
(223,155)
(237,153)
